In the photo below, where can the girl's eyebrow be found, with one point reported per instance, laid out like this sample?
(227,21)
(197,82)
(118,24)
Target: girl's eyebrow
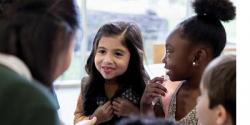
(100,47)
(120,50)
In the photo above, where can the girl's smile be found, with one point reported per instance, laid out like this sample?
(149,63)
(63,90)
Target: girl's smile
(112,57)
(107,70)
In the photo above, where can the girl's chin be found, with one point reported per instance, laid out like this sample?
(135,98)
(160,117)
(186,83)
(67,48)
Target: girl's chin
(108,77)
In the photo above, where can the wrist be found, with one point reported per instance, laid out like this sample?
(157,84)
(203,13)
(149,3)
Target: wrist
(97,119)
(136,110)
(146,108)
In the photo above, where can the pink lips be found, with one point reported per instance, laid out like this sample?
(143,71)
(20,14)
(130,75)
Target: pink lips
(167,70)
(107,70)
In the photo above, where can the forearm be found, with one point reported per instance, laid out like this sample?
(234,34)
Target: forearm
(146,109)
(79,115)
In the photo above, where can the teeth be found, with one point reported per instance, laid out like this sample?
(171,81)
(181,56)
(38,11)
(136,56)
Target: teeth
(107,68)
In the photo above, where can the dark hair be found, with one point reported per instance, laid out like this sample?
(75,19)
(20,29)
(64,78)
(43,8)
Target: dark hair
(36,31)
(219,79)
(206,27)
(135,74)
(147,121)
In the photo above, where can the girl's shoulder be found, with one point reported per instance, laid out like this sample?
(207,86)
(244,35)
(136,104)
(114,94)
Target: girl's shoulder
(190,118)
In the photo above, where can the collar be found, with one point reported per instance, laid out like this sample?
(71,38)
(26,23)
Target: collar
(15,64)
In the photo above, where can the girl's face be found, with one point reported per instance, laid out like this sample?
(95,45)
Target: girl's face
(111,57)
(64,59)
(177,59)
(206,116)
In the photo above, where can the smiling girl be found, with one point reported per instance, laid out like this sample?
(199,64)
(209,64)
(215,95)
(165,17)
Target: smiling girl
(116,75)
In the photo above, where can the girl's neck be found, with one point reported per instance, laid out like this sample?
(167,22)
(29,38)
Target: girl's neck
(192,83)
(111,87)
(111,82)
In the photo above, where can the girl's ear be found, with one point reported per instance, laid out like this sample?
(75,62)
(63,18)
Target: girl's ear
(199,56)
(221,115)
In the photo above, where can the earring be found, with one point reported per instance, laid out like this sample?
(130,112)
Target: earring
(194,63)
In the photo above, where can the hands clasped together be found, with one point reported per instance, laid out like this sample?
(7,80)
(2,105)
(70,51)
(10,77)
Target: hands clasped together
(119,107)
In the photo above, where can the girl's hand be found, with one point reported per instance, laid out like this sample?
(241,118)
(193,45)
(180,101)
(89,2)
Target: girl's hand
(123,107)
(87,122)
(153,90)
(103,113)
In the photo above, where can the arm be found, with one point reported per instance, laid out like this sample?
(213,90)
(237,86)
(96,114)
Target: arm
(103,113)
(87,122)
(79,116)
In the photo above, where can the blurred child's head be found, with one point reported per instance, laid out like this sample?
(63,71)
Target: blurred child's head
(217,102)
(40,33)
(198,39)
(146,121)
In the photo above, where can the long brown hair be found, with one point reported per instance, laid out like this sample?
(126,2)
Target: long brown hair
(135,74)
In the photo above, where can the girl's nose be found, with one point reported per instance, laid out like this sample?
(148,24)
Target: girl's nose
(163,60)
(108,58)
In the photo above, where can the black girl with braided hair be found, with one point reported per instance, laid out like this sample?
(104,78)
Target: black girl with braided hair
(189,48)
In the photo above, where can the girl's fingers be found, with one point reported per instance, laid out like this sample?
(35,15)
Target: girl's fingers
(110,110)
(153,94)
(115,103)
(116,107)
(157,80)
(109,107)
(118,99)
(157,88)
(105,105)
(117,113)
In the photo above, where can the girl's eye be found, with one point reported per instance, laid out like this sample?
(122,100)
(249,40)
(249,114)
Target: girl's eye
(168,52)
(101,51)
(118,54)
